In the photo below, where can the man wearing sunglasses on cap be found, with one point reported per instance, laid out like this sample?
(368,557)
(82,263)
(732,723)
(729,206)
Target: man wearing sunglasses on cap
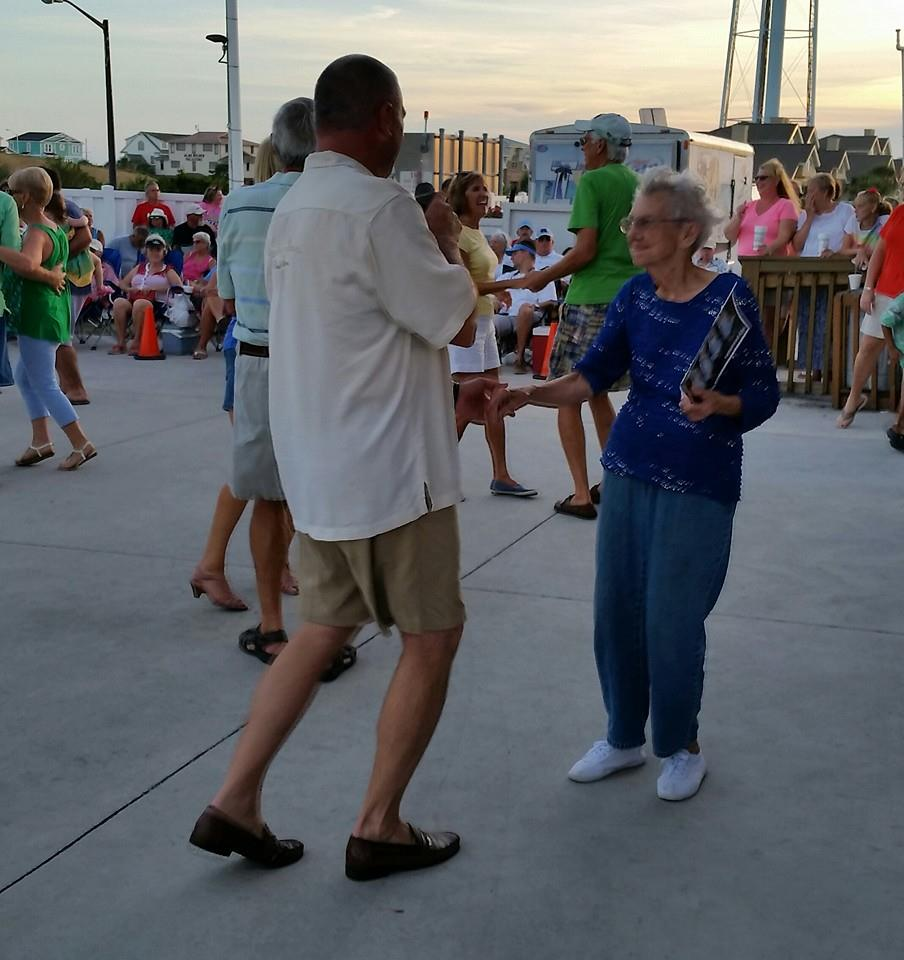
(601,263)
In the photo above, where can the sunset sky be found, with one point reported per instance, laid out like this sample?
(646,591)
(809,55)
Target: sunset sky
(502,68)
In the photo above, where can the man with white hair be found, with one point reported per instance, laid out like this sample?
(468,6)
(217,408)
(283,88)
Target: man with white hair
(601,263)
(499,244)
(244,221)
(183,235)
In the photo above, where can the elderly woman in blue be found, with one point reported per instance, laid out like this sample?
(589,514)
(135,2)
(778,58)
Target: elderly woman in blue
(672,481)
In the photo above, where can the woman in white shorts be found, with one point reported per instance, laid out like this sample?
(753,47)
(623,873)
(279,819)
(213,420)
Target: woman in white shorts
(469,197)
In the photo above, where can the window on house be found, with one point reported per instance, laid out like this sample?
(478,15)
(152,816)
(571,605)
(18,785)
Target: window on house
(208,148)
(174,164)
(48,148)
(180,147)
(141,146)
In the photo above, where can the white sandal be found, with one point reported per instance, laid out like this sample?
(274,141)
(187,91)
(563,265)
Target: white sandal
(35,455)
(83,455)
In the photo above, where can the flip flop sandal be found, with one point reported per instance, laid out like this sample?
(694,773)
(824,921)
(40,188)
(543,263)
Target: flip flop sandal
(35,455)
(584,511)
(199,355)
(895,439)
(77,457)
(595,493)
(846,419)
(253,642)
(346,659)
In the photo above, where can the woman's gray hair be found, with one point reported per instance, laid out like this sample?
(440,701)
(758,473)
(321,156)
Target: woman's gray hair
(292,137)
(687,197)
(499,235)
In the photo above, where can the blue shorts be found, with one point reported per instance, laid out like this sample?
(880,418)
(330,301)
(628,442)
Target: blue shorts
(229,394)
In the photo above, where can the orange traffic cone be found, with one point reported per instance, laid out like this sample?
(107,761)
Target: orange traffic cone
(550,340)
(149,348)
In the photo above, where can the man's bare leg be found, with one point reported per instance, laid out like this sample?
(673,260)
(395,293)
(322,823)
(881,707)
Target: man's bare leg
(269,543)
(411,710)
(280,700)
(571,435)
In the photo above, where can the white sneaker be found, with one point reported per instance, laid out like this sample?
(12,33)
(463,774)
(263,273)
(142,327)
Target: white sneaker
(680,775)
(603,759)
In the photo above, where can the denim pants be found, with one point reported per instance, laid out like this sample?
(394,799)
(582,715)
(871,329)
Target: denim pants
(661,562)
(819,327)
(6,373)
(37,382)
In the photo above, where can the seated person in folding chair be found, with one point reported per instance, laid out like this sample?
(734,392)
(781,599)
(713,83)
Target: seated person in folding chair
(104,284)
(148,284)
(208,301)
(525,308)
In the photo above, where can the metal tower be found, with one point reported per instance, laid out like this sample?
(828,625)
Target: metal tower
(757,39)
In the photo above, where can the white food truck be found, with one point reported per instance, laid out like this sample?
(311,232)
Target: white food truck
(557,162)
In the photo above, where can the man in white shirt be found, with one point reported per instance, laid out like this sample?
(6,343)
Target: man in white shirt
(526,308)
(546,256)
(365,439)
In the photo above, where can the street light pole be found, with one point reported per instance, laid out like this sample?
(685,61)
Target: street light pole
(233,97)
(900,47)
(104,26)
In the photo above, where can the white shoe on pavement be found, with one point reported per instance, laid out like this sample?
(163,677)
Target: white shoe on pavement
(603,759)
(680,775)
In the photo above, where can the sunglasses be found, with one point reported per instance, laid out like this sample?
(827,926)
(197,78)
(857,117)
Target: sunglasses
(760,177)
(643,223)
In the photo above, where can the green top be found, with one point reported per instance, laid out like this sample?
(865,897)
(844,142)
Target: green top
(894,319)
(44,314)
(9,237)
(603,198)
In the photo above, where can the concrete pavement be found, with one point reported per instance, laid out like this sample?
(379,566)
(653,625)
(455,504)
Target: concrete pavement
(122,695)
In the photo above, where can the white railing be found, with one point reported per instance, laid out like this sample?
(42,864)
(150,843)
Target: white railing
(113,209)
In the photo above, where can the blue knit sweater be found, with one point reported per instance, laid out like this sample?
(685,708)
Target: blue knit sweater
(656,340)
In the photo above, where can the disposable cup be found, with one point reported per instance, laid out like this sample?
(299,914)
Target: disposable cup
(759,237)
(854,280)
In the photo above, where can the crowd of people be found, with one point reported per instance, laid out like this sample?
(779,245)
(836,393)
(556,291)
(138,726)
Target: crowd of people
(320,271)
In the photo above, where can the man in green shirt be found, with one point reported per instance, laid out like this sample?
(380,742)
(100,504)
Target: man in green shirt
(600,263)
(9,237)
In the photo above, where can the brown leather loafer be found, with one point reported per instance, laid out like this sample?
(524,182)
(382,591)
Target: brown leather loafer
(370,859)
(216,833)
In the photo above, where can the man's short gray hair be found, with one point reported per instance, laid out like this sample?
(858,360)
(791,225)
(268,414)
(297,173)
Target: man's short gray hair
(616,152)
(292,138)
(687,198)
(499,235)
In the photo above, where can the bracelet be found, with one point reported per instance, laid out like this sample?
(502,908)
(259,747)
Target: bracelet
(867,288)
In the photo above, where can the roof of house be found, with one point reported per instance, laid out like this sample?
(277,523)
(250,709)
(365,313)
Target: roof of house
(885,145)
(157,136)
(862,163)
(773,133)
(38,137)
(864,143)
(791,155)
(210,136)
(832,160)
(808,133)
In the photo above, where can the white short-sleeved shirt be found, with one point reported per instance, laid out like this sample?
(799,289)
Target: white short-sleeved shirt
(830,224)
(520,297)
(550,259)
(362,307)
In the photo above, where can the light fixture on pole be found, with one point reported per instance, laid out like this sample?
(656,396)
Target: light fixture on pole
(230,45)
(104,26)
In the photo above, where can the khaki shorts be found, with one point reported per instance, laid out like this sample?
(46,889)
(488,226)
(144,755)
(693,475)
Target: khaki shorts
(407,577)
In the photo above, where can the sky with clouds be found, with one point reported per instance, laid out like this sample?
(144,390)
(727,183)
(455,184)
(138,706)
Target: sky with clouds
(499,67)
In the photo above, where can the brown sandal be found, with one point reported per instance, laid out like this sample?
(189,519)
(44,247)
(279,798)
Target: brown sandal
(35,455)
(78,456)
(583,511)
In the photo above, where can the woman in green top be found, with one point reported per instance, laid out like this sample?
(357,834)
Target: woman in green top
(42,323)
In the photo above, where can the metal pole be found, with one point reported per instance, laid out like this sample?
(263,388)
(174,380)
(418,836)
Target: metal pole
(461,150)
(501,175)
(900,47)
(774,61)
(483,155)
(759,87)
(811,80)
(111,135)
(442,156)
(233,97)
(729,62)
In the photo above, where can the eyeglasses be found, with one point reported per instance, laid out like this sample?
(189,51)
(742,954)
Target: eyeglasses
(761,176)
(643,223)
(587,138)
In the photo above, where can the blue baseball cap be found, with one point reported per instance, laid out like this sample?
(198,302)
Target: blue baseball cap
(526,245)
(524,223)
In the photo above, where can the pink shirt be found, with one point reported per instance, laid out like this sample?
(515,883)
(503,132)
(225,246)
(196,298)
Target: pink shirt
(782,209)
(195,266)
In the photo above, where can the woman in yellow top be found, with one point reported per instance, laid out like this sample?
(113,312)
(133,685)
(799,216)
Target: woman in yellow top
(469,197)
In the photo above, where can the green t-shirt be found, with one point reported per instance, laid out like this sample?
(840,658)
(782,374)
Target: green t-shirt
(603,198)
(894,319)
(9,237)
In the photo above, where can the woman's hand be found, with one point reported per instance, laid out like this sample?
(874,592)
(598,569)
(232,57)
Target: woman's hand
(59,275)
(707,403)
(506,402)
(867,299)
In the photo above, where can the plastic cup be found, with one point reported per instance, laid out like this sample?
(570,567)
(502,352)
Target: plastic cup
(854,280)
(822,244)
(759,238)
